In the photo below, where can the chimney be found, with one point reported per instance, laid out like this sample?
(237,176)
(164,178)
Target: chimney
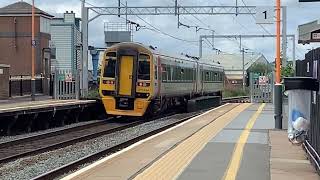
(69,17)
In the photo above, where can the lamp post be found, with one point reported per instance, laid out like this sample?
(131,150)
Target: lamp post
(278,85)
(33,44)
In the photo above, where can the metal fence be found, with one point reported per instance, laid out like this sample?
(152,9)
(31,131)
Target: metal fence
(309,67)
(21,85)
(66,84)
(261,87)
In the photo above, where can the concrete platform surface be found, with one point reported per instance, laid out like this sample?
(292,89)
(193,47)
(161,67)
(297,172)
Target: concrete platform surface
(236,141)
(289,161)
(27,104)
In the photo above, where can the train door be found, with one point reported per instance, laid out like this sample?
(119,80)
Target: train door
(126,74)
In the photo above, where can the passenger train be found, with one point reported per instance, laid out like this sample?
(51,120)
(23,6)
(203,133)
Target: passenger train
(136,79)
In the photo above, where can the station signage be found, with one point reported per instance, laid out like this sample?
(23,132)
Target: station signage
(263,80)
(68,77)
(265,15)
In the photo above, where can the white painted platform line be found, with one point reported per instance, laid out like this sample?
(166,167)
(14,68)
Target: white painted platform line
(48,104)
(77,173)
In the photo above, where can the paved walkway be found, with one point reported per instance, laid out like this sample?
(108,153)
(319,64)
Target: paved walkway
(231,142)
(288,161)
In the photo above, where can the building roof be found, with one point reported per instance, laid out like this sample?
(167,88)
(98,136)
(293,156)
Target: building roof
(306,30)
(21,8)
(233,62)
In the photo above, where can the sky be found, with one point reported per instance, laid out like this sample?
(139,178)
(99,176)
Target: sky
(298,13)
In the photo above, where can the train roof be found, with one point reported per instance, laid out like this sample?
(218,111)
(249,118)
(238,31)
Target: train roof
(161,52)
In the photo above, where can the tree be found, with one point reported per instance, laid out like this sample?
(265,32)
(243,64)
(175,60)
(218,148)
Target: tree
(287,71)
(260,68)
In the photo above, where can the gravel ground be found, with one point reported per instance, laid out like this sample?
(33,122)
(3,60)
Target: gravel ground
(29,167)
(12,138)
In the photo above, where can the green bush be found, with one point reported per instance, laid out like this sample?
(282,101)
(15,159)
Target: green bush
(93,94)
(234,92)
(287,71)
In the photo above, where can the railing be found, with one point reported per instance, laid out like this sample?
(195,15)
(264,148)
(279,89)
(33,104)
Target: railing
(66,84)
(21,85)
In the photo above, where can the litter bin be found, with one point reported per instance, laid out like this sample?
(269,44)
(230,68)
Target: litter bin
(299,90)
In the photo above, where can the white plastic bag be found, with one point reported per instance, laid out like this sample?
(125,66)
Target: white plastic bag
(299,114)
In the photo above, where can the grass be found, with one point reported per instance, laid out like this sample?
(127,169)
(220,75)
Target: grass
(93,93)
(234,92)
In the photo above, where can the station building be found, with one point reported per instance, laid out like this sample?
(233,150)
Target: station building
(15,45)
(58,46)
(66,42)
(15,39)
(232,64)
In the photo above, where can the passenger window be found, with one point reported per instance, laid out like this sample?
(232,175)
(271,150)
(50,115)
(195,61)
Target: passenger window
(109,68)
(182,74)
(169,73)
(207,76)
(164,72)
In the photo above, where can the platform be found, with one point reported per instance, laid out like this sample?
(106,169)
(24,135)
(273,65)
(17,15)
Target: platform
(24,105)
(235,141)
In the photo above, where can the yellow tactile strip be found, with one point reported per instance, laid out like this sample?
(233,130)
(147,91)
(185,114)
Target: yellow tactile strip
(234,164)
(174,162)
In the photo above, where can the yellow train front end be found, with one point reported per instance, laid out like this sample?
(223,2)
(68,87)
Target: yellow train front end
(126,82)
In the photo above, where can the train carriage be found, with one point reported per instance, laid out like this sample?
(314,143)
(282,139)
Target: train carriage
(137,80)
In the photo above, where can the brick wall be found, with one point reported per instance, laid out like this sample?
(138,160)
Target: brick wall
(15,44)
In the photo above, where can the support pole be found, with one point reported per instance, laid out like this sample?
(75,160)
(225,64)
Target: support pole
(284,36)
(84,62)
(176,7)
(213,47)
(240,42)
(243,77)
(119,4)
(200,47)
(33,44)
(294,54)
(278,85)
(278,105)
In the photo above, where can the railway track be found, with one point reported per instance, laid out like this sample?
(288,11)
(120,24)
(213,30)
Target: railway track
(49,141)
(239,99)
(93,157)
(37,144)
(75,164)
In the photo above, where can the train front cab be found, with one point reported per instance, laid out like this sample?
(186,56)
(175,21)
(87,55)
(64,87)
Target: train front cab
(126,83)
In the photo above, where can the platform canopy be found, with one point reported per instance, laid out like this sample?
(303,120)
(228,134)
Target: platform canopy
(309,32)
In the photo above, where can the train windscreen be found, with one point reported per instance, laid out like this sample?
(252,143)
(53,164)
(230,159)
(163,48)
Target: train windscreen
(144,67)
(109,68)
